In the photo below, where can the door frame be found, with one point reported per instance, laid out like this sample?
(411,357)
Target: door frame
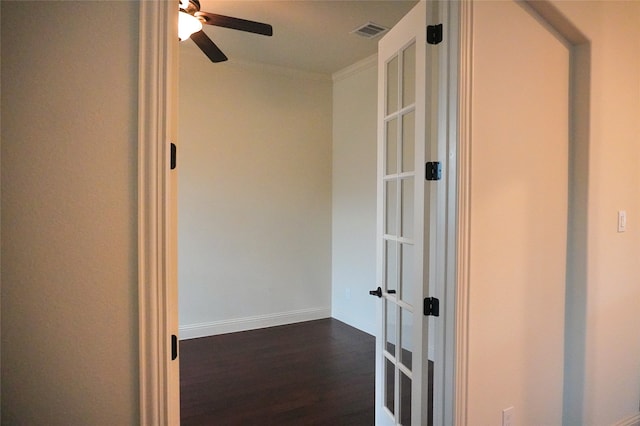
(459,238)
(450,76)
(159,391)
(157,242)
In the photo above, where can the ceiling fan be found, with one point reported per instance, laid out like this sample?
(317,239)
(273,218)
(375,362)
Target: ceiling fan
(190,26)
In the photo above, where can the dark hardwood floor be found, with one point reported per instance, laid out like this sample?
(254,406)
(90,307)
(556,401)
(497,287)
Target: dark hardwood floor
(313,373)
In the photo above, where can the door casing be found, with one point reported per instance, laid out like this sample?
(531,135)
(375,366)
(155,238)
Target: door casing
(157,200)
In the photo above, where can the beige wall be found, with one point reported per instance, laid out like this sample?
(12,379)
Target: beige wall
(607,344)
(254,203)
(602,349)
(519,181)
(69,274)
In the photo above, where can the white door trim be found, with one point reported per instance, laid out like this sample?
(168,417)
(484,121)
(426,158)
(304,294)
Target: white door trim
(157,113)
(450,72)
(463,225)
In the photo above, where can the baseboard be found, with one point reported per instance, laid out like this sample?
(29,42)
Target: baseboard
(193,331)
(629,421)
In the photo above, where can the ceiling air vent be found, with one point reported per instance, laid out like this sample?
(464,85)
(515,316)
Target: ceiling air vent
(370,30)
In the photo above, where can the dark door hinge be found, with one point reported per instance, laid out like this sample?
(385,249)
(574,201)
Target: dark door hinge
(433,170)
(174,154)
(174,346)
(434,34)
(431,307)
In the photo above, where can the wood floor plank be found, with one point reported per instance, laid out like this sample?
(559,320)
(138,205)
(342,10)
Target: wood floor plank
(314,373)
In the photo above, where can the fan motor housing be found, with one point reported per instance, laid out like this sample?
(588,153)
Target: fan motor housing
(192,7)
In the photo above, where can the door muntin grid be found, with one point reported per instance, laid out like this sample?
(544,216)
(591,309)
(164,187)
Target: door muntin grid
(398,245)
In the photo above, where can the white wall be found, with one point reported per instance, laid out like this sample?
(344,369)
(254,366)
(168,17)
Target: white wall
(69,208)
(354,195)
(254,203)
(605,341)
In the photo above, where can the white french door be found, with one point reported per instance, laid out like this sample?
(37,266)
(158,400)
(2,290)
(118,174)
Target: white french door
(407,219)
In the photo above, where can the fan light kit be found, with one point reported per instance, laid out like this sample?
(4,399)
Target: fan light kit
(190,20)
(187,25)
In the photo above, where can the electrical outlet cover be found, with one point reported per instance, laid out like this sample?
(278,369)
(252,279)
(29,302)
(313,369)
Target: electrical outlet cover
(507,417)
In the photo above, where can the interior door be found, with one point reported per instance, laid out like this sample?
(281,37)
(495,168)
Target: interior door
(406,213)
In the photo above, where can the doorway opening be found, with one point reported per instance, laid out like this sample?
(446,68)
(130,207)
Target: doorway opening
(257,172)
(156,275)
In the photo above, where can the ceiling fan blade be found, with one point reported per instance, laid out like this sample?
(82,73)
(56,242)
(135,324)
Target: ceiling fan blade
(209,48)
(236,23)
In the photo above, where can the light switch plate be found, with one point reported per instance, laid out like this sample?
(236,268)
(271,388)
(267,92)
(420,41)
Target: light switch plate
(622,221)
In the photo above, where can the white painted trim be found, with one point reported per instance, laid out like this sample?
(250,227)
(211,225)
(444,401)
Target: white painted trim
(156,124)
(463,210)
(359,66)
(629,421)
(214,328)
(452,44)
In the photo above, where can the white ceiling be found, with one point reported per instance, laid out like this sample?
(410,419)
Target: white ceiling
(309,35)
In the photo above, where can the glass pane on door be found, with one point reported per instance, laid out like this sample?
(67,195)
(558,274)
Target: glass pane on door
(391,266)
(389,385)
(390,331)
(392,146)
(391,207)
(408,141)
(406,196)
(405,399)
(407,284)
(409,75)
(392,85)
(406,338)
